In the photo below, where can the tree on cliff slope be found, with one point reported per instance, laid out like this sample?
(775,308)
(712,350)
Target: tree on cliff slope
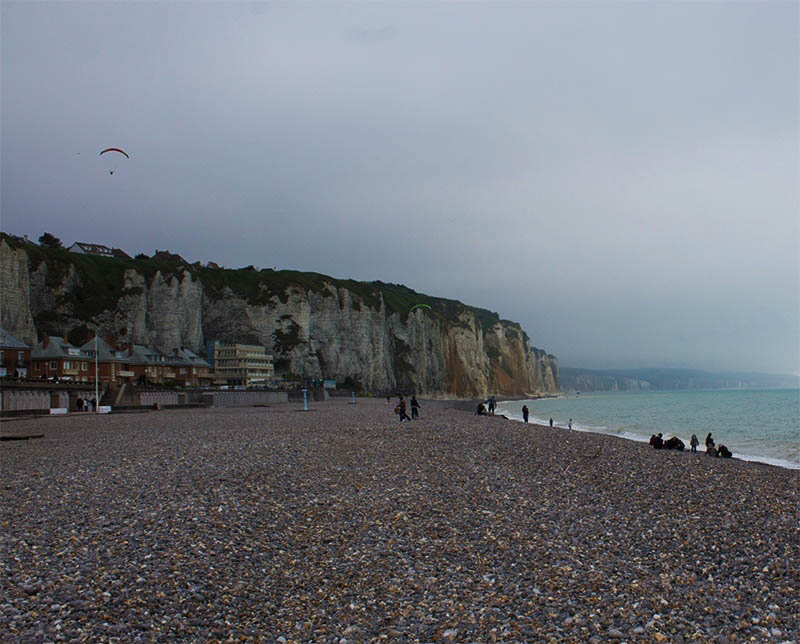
(50,241)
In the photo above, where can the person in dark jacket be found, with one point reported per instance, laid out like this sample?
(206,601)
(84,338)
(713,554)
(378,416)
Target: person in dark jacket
(674,443)
(658,441)
(525,413)
(414,407)
(401,409)
(711,448)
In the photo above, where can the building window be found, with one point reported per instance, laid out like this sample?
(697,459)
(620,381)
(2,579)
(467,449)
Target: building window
(53,364)
(21,355)
(36,365)
(83,366)
(67,364)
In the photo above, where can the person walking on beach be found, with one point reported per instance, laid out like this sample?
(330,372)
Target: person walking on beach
(401,406)
(551,423)
(492,404)
(711,448)
(525,413)
(694,443)
(570,423)
(414,407)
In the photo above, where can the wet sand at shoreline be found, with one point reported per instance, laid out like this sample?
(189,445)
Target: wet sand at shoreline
(341,523)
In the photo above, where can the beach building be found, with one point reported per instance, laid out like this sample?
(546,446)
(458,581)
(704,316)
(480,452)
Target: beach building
(15,355)
(182,367)
(149,366)
(98,250)
(111,363)
(54,357)
(190,369)
(242,364)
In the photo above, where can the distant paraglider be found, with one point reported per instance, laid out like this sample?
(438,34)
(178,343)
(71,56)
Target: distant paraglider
(416,306)
(113,158)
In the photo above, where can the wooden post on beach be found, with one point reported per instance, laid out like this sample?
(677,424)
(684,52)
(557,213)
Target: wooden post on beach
(305,399)
(96,381)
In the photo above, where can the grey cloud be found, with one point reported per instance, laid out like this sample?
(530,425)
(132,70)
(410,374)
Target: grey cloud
(619,178)
(369,35)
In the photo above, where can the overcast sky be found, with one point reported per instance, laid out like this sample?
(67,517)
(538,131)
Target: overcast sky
(620,178)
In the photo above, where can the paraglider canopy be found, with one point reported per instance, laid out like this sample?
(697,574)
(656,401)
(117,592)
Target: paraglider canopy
(416,306)
(113,158)
(121,151)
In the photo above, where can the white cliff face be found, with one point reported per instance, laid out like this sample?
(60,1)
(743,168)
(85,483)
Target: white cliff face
(165,313)
(15,304)
(174,308)
(333,334)
(316,334)
(330,333)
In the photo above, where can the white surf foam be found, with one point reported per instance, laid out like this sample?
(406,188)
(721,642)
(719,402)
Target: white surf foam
(639,438)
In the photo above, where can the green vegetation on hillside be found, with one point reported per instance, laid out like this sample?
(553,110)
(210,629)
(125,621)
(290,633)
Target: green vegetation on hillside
(102,284)
(101,279)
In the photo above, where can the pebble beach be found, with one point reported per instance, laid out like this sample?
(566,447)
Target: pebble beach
(340,524)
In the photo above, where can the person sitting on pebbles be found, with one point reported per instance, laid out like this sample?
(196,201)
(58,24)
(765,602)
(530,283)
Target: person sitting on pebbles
(711,448)
(674,443)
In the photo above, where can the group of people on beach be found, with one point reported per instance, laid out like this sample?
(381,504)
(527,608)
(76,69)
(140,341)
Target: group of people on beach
(658,442)
(400,409)
(526,413)
(487,408)
(713,450)
(84,404)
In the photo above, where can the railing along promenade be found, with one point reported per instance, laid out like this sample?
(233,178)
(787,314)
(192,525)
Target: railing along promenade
(20,397)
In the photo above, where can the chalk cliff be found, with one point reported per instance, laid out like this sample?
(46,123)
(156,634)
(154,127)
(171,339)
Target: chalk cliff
(364,333)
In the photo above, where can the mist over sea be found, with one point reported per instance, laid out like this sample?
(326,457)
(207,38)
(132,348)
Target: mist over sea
(755,424)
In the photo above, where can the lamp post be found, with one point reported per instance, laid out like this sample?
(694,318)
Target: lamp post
(96,376)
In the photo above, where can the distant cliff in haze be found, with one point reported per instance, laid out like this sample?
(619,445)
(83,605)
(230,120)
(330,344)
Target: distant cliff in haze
(576,379)
(363,333)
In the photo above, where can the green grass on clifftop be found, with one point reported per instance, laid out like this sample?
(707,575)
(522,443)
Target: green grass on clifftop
(101,284)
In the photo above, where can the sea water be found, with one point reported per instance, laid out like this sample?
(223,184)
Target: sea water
(755,424)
